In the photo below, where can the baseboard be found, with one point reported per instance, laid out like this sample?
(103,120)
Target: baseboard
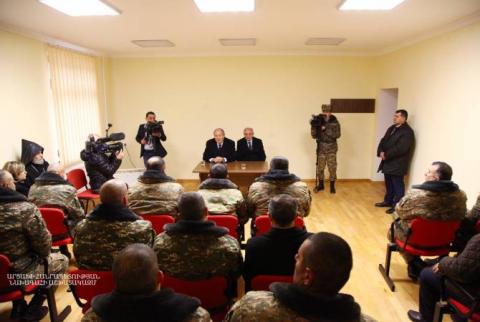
(341,180)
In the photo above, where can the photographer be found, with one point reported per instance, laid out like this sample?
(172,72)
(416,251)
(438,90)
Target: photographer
(149,136)
(102,160)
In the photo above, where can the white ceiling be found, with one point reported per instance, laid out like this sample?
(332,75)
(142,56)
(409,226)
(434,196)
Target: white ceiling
(280,26)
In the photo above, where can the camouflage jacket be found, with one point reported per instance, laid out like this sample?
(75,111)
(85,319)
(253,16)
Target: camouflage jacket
(200,315)
(154,193)
(327,139)
(50,189)
(274,183)
(24,237)
(223,197)
(433,200)
(197,250)
(106,231)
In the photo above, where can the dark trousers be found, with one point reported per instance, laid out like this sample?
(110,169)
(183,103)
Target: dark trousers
(395,189)
(147,154)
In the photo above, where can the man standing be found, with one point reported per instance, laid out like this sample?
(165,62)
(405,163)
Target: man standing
(250,148)
(395,150)
(326,130)
(219,149)
(149,136)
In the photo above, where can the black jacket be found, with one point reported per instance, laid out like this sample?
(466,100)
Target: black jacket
(273,253)
(256,154)
(100,167)
(157,145)
(212,151)
(397,144)
(29,150)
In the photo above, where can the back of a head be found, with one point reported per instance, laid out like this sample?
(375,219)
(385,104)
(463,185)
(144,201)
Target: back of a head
(113,191)
(279,163)
(56,168)
(191,206)
(156,163)
(283,210)
(135,270)
(444,170)
(15,168)
(218,171)
(330,258)
(6,180)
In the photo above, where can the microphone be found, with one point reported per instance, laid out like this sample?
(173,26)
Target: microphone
(117,136)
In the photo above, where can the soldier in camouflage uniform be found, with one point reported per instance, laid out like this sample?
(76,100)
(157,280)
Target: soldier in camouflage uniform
(138,296)
(326,133)
(277,181)
(221,195)
(314,294)
(438,198)
(108,229)
(194,248)
(24,238)
(155,192)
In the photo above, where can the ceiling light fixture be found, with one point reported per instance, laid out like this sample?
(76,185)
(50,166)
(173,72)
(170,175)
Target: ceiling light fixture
(369,4)
(82,7)
(238,41)
(225,5)
(153,43)
(318,41)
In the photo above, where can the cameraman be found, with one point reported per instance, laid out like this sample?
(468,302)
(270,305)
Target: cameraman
(149,136)
(100,166)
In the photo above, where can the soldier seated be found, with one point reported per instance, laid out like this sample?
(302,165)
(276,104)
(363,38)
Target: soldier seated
(109,228)
(221,195)
(25,240)
(155,192)
(194,248)
(138,296)
(277,181)
(322,268)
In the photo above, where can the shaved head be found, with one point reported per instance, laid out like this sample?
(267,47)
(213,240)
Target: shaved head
(191,206)
(218,171)
(156,163)
(56,168)
(279,163)
(6,180)
(114,191)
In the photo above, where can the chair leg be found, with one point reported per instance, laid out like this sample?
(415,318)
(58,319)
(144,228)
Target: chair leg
(385,270)
(52,306)
(441,307)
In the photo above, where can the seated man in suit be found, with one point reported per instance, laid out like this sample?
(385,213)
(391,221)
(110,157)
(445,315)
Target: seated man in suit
(219,149)
(250,148)
(138,296)
(109,228)
(274,252)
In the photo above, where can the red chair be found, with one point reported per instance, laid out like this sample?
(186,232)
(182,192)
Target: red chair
(263,224)
(55,220)
(78,179)
(11,291)
(158,221)
(211,292)
(227,221)
(470,310)
(262,282)
(425,238)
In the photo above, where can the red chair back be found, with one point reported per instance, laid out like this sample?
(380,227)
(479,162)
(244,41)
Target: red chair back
(4,268)
(8,290)
(55,220)
(86,284)
(477,226)
(228,221)
(263,224)
(77,178)
(262,282)
(158,221)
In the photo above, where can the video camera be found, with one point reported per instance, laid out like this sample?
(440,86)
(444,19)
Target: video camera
(102,145)
(316,123)
(155,127)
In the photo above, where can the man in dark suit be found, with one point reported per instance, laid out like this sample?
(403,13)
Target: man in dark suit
(150,140)
(219,149)
(274,252)
(395,149)
(250,148)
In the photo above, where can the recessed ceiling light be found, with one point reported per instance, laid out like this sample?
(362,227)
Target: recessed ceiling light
(369,4)
(82,7)
(153,43)
(238,41)
(317,41)
(225,5)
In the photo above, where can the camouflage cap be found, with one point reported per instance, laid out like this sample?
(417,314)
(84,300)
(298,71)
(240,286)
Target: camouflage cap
(326,108)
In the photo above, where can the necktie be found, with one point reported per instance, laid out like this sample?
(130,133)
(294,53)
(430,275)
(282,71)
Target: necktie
(249,145)
(219,146)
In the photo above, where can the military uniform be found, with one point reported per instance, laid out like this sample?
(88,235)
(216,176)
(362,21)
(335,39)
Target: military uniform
(200,315)
(51,190)
(222,196)
(155,193)
(277,182)
(105,232)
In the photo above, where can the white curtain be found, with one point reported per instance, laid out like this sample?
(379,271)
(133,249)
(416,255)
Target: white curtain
(74,87)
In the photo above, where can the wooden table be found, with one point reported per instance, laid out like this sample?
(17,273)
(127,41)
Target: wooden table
(243,178)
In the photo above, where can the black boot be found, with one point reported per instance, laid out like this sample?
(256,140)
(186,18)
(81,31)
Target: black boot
(332,186)
(320,186)
(18,309)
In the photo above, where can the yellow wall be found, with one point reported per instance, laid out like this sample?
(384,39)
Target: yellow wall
(274,95)
(439,84)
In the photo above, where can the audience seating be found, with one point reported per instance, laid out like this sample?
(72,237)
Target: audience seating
(78,179)
(425,238)
(158,221)
(447,305)
(226,220)
(9,292)
(262,282)
(55,221)
(263,224)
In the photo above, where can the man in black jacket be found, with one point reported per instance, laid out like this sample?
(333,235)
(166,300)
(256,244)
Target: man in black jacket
(219,149)
(274,252)
(395,149)
(150,140)
(35,164)
(250,148)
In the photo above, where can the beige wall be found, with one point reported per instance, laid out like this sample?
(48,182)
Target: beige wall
(439,84)
(275,95)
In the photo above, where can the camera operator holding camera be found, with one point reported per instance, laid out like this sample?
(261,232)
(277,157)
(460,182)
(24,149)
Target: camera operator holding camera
(149,136)
(102,160)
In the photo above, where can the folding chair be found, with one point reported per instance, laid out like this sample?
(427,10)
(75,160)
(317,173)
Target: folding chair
(469,310)
(78,179)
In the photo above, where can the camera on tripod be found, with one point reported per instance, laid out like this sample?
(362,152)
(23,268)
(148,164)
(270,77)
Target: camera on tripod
(108,144)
